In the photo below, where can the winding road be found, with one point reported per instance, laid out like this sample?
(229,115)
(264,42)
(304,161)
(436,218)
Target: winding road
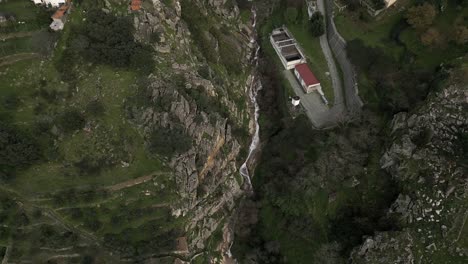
(338,46)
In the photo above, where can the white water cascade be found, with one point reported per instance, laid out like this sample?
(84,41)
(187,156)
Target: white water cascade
(255,86)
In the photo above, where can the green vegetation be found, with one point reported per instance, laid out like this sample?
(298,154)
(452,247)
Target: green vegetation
(399,63)
(310,208)
(104,39)
(18,150)
(66,142)
(168,142)
(291,15)
(317,26)
(209,36)
(34,18)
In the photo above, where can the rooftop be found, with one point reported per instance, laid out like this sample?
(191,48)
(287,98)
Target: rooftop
(61,11)
(135,5)
(306,74)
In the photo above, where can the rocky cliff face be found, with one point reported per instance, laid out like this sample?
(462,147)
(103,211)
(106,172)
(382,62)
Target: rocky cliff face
(428,159)
(208,103)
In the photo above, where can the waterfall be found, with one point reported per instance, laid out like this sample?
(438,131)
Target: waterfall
(255,86)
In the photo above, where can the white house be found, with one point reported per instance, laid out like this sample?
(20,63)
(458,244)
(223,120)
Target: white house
(370,7)
(60,16)
(54,3)
(311,7)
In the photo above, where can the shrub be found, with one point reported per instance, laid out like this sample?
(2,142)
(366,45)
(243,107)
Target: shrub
(317,27)
(17,149)
(95,108)
(420,17)
(71,120)
(104,39)
(167,141)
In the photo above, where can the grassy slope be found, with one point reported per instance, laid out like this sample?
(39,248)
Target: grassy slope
(46,179)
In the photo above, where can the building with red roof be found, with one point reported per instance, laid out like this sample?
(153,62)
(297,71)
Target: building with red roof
(59,17)
(307,79)
(135,5)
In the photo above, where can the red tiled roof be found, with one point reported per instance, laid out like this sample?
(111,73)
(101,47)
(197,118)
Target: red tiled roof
(61,11)
(135,5)
(306,74)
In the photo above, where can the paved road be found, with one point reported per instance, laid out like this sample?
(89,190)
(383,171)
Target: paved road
(338,46)
(334,73)
(319,114)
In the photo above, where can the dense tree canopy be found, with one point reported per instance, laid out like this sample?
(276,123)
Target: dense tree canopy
(104,39)
(17,149)
(317,27)
(421,17)
(109,39)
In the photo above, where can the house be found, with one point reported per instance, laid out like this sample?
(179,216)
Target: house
(311,7)
(54,3)
(371,7)
(306,78)
(135,5)
(287,48)
(60,16)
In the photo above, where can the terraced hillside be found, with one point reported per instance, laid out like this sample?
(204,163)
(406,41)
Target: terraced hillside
(117,129)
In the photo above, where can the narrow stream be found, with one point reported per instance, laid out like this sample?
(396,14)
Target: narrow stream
(255,86)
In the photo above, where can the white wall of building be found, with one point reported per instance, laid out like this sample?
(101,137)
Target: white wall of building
(49,2)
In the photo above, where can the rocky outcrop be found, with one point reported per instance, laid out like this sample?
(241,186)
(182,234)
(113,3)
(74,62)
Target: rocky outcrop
(428,158)
(208,183)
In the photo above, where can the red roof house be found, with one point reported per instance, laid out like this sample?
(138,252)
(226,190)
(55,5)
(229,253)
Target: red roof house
(135,5)
(307,79)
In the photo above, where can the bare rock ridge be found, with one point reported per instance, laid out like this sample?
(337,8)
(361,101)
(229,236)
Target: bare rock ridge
(207,177)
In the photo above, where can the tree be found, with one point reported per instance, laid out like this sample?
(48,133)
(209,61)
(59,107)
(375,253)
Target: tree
(291,15)
(71,120)
(95,108)
(317,27)
(17,148)
(461,35)
(167,141)
(378,4)
(431,37)
(420,17)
